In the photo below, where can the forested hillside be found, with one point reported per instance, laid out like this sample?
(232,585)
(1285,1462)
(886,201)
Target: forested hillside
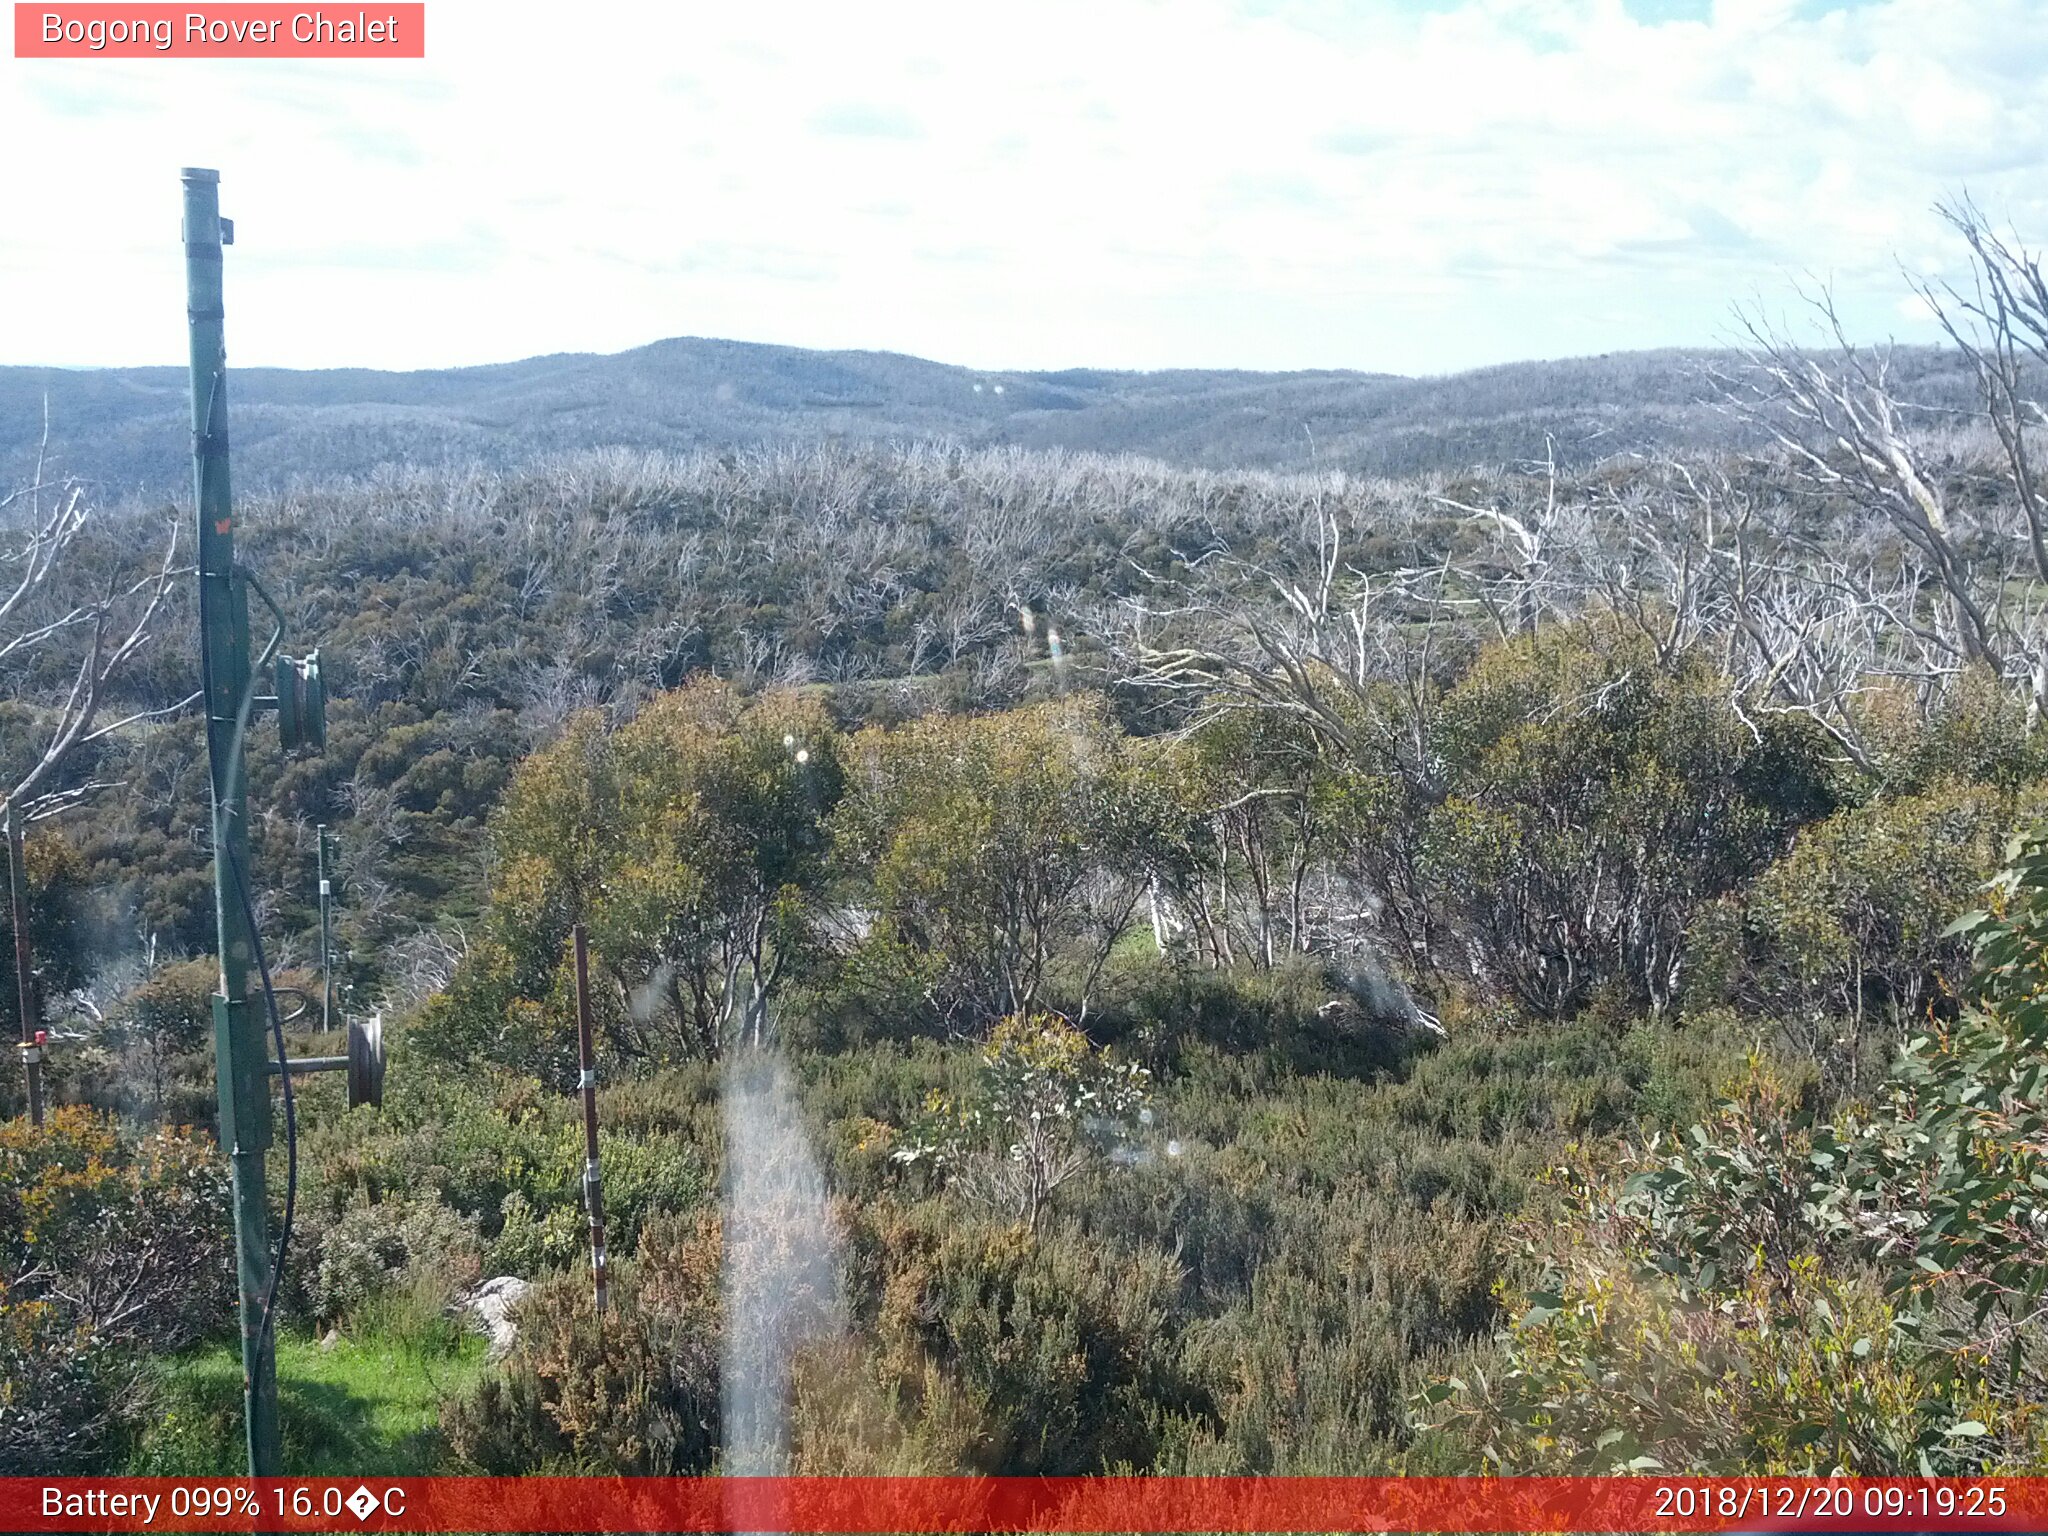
(1234,971)
(126,429)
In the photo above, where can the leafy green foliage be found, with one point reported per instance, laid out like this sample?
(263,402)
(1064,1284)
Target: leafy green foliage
(1975,731)
(1956,1156)
(1045,1106)
(692,841)
(1598,796)
(993,843)
(1709,1315)
(1056,1354)
(1607,1371)
(1848,932)
(370,1251)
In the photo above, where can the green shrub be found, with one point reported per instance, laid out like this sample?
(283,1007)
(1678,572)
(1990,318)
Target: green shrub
(1597,796)
(1844,939)
(1046,1105)
(373,1253)
(128,1235)
(1950,1173)
(1975,729)
(61,1393)
(691,841)
(635,1391)
(1612,1370)
(984,840)
(1774,1295)
(1061,1353)
(115,1245)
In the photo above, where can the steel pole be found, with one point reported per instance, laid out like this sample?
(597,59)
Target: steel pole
(240,1057)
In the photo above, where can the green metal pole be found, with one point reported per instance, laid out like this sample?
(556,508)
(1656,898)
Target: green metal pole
(239,1054)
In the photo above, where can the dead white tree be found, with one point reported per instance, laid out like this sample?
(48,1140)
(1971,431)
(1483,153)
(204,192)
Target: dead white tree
(1353,658)
(2000,323)
(107,624)
(1954,582)
(59,620)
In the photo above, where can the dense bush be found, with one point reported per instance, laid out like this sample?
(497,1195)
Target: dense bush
(692,843)
(372,1252)
(151,1054)
(111,1246)
(1059,1352)
(1950,1174)
(1598,795)
(1977,730)
(993,844)
(1776,1294)
(1610,1369)
(633,1391)
(504,1159)
(60,1396)
(1845,940)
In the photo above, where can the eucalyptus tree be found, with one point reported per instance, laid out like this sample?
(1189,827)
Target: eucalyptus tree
(692,840)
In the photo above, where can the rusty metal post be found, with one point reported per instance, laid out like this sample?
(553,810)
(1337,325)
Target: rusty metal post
(593,1182)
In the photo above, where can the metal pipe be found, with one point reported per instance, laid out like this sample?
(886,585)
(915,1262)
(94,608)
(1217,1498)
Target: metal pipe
(308,1064)
(239,1053)
(593,1180)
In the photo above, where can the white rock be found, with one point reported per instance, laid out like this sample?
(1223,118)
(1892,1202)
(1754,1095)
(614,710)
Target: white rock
(492,1302)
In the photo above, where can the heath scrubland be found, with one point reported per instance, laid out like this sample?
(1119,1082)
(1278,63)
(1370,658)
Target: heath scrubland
(1279,972)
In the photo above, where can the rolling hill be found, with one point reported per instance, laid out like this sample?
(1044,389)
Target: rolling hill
(126,428)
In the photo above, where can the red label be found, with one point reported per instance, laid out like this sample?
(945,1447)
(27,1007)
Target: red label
(851,1506)
(233,31)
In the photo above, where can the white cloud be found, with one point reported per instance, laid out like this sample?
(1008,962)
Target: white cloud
(1097,182)
(1916,308)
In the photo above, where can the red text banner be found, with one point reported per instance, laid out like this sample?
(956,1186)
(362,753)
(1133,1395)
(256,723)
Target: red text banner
(846,1506)
(225,31)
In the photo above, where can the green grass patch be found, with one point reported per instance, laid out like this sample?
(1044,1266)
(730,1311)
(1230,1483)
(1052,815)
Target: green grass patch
(364,1406)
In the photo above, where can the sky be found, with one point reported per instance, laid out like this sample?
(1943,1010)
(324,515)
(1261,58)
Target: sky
(1411,186)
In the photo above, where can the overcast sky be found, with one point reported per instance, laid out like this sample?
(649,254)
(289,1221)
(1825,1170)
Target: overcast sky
(1406,185)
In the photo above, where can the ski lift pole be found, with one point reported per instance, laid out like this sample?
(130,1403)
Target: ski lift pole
(593,1182)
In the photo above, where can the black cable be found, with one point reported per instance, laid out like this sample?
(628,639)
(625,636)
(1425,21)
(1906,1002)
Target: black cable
(291,1119)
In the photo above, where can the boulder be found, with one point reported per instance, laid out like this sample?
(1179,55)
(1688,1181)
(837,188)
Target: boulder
(491,1304)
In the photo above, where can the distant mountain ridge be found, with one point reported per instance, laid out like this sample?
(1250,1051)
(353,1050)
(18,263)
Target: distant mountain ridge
(127,428)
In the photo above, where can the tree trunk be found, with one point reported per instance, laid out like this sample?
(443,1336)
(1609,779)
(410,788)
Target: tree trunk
(24,982)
